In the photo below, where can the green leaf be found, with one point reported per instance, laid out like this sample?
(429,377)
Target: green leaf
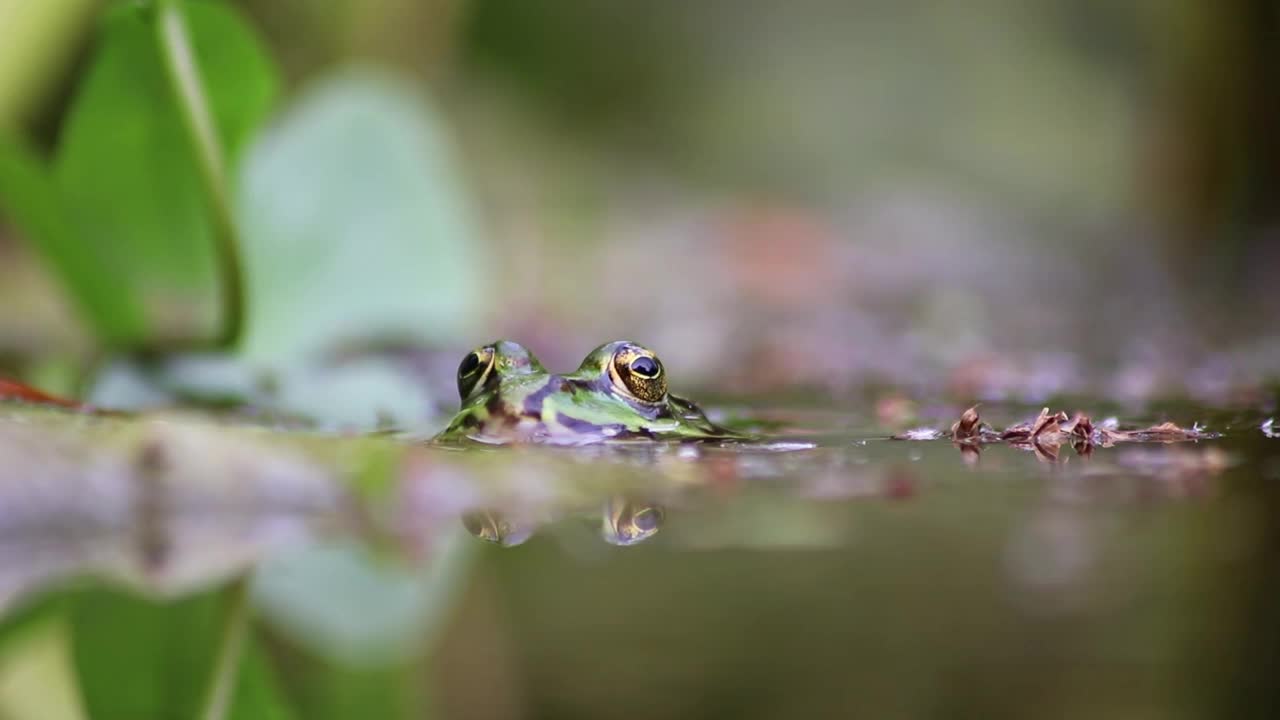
(142,659)
(320,689)
(340,602)
(15,622)
(37,41)
(356,225)
(127,173)
(32,203)
(36,680)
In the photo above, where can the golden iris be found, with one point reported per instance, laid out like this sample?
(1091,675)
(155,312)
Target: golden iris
(637,372)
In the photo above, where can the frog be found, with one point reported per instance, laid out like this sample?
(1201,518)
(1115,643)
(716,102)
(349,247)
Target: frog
(618,393)
(624,521)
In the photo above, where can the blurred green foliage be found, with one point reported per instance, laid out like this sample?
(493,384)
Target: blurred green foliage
(139,658)
(123,213)
(355,223)
(38,41)
(30,197)
(127,169)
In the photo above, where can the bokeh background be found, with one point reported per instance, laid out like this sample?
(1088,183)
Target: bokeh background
(1005,199)
(869,208)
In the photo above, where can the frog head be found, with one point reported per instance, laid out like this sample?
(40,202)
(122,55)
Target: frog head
(618,392)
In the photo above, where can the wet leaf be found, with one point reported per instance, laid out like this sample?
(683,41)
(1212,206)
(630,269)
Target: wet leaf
(126,177)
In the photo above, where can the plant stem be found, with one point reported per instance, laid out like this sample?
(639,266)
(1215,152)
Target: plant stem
(188,91)
(226,666)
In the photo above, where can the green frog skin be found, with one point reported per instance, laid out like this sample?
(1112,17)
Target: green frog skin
(619,392)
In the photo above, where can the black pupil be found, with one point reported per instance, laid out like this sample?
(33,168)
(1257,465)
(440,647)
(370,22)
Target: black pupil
(646,520)
(469,365)
(645,367)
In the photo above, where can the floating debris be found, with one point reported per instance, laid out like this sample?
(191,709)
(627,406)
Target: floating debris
(1045,424)
(1269,429)
(968,427)
(1050,430)
(17,392)
(1164,432)
(923,433)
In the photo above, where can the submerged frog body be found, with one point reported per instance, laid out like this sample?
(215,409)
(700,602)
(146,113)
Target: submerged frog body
(619,392)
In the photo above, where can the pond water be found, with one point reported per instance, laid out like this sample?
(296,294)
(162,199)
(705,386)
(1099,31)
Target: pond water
(829,570)
(907,579)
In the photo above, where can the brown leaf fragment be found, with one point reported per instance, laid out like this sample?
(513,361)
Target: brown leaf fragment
(16,391)
(970,452)
(1108,436)
(969,426)
(1015,433)
(1046,452)
(1168,432)
(1080,428)
(1048,424)
(1045,424)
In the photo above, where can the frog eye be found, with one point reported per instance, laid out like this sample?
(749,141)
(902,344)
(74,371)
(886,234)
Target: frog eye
(629,523)
(473,370)
(639,374)
(647,520)
(469,365)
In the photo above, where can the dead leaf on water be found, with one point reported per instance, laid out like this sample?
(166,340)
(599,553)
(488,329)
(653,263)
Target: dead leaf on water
(1045,426)
(969,426)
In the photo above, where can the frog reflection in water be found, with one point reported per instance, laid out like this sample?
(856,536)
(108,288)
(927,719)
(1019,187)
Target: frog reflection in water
(618,392)
(623,522)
